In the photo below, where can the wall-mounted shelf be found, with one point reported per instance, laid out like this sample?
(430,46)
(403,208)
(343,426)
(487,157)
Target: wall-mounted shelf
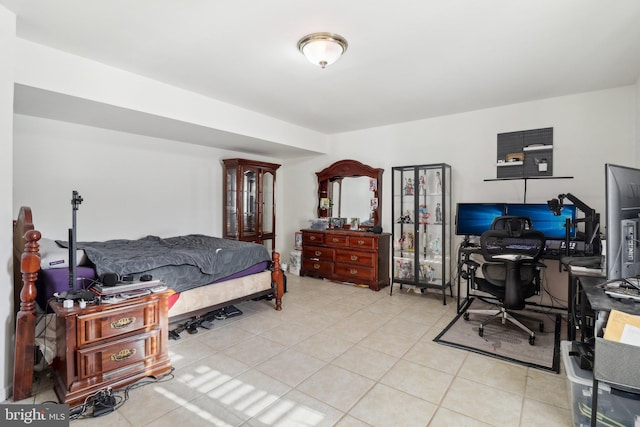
(503,164)
(525,179)
(540,147)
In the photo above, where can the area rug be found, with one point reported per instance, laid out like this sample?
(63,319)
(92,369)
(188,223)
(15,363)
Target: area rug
(507,342)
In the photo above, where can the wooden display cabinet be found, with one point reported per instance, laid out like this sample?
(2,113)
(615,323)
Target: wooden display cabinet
(249,201)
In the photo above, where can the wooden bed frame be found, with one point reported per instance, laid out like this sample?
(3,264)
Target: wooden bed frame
(26,264)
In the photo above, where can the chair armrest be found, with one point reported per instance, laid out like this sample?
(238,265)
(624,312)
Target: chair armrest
(513,257)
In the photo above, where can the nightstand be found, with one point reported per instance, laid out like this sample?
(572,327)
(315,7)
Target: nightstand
(109,345)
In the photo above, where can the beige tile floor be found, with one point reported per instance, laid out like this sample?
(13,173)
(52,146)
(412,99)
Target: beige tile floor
(338,355)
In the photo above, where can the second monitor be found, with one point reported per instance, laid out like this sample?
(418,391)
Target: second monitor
(472,219)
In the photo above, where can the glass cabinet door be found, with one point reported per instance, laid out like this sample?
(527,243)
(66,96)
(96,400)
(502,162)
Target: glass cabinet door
(250,202)
(231,226)
(267,202)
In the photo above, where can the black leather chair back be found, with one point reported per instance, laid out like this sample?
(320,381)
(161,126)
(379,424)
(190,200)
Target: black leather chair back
(511,255)
(513,224)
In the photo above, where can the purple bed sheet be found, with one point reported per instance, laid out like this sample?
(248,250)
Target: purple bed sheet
(57,280)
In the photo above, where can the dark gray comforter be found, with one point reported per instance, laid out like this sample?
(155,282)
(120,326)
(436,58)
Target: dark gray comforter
(215,258)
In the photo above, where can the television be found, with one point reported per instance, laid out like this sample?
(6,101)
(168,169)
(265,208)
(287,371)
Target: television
(473,219)
(543,219)
(622,198)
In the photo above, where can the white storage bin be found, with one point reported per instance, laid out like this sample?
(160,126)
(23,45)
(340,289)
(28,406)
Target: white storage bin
(620,410)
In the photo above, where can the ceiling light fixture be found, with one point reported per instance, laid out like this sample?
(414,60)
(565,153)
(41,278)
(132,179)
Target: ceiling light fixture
(322,48)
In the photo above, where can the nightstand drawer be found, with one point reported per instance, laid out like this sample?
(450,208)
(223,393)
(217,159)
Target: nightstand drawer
(98,326)
(115,355)
(362,242)
(366,259)
(317,253)
(355,272)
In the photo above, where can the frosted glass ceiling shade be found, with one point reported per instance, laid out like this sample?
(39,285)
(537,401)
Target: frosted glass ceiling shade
(322,48)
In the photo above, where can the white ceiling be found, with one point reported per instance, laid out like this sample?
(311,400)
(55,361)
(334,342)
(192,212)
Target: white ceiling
(407,59)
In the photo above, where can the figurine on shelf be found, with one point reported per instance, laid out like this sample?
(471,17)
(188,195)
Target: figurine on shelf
(406,218)
(408,188)
(431,273)
(424,214)
(438,213)
(435,246)
(406,241)
(422,185)
(404,269)
(438,183)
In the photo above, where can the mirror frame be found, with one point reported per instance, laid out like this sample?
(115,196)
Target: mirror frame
(345,169)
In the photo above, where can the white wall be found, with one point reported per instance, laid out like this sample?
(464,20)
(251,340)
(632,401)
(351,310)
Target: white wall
(590,129)
(132,185)
(7,327)
(638,121)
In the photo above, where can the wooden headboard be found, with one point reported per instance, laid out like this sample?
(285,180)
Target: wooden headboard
(26,263)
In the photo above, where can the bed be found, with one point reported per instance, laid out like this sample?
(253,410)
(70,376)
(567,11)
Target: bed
(193,294)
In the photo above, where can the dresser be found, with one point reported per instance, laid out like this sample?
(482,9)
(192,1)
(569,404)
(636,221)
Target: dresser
(347,256)
(109,345)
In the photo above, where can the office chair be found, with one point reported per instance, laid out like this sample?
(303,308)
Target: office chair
(511,251)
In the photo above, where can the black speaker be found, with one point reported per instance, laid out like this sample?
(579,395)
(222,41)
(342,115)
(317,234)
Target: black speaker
(109,279)
(376,229)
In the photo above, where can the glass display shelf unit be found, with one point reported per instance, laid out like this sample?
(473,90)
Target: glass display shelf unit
(249,202)
(421,204)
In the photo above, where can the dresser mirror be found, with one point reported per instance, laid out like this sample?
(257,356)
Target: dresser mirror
(350,189)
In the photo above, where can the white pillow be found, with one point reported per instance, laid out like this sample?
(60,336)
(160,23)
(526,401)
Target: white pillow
(54,256)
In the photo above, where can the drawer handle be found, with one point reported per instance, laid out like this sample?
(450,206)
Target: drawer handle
(318,253)
(354,257)
(123,323)
(361,242)
(123,355)
(353,271)
(316,266)
(335,240)
(312,237)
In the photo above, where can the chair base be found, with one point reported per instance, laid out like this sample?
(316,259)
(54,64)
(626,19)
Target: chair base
(504,315)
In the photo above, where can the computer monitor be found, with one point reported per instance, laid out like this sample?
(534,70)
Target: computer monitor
(622,185)
(544,220)
(473,219)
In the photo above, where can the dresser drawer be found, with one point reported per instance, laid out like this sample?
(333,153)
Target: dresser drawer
(355,272)
(317,253)
(98,326)
(337,240)
(115,355)
(362,242)
(312,238)
(317,267)
(365,259)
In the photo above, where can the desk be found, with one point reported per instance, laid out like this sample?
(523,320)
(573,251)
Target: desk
(575,266)
(553,293)
(596,301)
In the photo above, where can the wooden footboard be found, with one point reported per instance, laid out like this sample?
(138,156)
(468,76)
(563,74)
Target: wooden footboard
(26,264)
